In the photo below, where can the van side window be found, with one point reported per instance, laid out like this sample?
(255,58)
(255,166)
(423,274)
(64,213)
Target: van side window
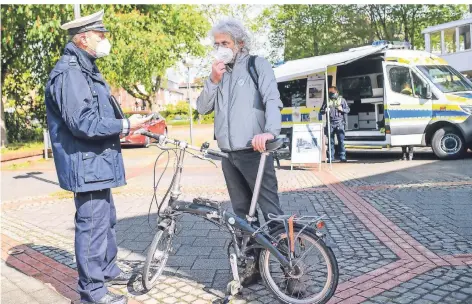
(400,80)
(380,81)
(417,85)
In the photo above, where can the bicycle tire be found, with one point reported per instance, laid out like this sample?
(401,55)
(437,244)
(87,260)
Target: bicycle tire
(332,270)
(149,280)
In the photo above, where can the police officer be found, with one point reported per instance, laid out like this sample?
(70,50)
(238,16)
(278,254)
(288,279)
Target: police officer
(85,129)
(338,108)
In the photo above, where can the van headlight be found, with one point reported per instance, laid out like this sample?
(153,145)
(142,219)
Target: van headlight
(467,109)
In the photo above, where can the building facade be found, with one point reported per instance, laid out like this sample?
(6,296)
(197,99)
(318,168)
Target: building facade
(453,42)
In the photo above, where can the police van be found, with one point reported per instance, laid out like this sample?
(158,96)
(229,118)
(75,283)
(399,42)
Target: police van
(397,96)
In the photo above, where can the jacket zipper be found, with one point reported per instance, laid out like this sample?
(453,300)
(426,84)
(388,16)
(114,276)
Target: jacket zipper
(229,107)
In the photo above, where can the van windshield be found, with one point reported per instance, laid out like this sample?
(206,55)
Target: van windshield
(446,78)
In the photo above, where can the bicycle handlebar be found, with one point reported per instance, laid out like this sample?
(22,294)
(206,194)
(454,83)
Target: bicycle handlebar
(271,145)
(182,144)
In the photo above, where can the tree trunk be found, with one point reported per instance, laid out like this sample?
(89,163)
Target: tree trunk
(2,126)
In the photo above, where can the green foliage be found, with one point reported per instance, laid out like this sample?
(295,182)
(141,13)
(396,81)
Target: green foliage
(146,41)
(313,30)
(180,110)
(31,44)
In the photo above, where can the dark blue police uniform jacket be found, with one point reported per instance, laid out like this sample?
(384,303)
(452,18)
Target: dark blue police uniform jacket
(82,124)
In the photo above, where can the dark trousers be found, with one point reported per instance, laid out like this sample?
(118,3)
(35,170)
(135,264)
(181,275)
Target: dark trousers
(95,243)
(240,171)
(407,152)
(337,131)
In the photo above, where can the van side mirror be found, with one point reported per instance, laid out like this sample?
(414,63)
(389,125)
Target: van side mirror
(426,92)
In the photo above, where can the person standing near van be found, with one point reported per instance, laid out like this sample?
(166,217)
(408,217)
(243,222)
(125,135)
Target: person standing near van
(338,108)
(247,115)
(85,126)
(407,152)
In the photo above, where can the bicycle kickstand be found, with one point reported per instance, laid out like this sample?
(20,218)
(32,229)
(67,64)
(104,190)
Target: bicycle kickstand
(234,287)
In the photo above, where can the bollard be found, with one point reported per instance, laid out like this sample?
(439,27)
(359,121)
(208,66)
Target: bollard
(46,143)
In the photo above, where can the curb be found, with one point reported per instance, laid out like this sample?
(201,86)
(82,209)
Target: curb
(20,155)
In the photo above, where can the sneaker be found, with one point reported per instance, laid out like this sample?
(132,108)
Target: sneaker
(110,298)
(250,276)
(122,279)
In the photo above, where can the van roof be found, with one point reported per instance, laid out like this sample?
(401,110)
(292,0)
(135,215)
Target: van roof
(301,68)
(413,57)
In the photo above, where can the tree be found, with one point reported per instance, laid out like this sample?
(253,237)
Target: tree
(146,39)
(311,30)
(303,30)
(31,44)
(161,36)
(405,21)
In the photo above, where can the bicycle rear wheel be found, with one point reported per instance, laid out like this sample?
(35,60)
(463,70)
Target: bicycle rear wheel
(157,255)
(315,275)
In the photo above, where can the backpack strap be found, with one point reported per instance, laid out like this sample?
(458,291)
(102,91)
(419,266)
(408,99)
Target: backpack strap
(251,67)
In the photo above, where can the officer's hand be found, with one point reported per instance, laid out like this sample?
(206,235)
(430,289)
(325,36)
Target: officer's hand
(218,68)
(259,141)
(340,108)
(138,122)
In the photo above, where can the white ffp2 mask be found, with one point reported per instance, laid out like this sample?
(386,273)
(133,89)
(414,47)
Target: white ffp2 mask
(103,48)
(224,54)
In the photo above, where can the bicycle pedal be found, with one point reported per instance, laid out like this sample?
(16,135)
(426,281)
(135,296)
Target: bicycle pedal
(234,287)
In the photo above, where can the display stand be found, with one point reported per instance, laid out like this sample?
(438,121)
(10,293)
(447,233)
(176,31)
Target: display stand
(307,144)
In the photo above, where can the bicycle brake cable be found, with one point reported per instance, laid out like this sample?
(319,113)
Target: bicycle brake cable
(154,197)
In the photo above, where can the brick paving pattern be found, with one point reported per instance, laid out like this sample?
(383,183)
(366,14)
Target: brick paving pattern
(399,229)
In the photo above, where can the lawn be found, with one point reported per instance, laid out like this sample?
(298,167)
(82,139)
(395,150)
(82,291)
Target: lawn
(22,147)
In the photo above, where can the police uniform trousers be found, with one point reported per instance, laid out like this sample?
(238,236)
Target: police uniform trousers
(95,242)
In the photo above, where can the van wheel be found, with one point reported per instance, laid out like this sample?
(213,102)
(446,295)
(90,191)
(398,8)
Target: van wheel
(447,143)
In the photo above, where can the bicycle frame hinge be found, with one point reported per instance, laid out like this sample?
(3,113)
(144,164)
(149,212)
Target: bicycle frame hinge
(251,219)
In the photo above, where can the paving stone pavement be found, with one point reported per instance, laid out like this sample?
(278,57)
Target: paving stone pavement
(441,285)
(384,239)
(442,228)
(18,288)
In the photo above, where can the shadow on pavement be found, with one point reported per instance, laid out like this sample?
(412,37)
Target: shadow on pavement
(34,175)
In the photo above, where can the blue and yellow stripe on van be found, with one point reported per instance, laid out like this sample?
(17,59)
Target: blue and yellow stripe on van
(447,112)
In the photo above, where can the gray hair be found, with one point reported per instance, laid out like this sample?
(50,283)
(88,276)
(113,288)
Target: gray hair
(235,29)
(75,38)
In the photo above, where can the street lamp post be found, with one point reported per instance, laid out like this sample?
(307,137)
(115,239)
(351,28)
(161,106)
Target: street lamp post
(76,11)
(188,64)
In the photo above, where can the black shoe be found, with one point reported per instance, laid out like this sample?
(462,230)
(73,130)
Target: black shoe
(251,277)
(251,274)
(110,298)
(343,160)
(122,279)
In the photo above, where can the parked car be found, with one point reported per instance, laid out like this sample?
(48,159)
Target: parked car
(156,125)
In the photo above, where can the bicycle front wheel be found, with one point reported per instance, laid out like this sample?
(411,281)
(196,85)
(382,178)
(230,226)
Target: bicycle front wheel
(315,274)
(157,256)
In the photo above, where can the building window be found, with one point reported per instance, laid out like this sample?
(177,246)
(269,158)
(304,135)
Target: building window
(450,40)
(435,43)
(464,38)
